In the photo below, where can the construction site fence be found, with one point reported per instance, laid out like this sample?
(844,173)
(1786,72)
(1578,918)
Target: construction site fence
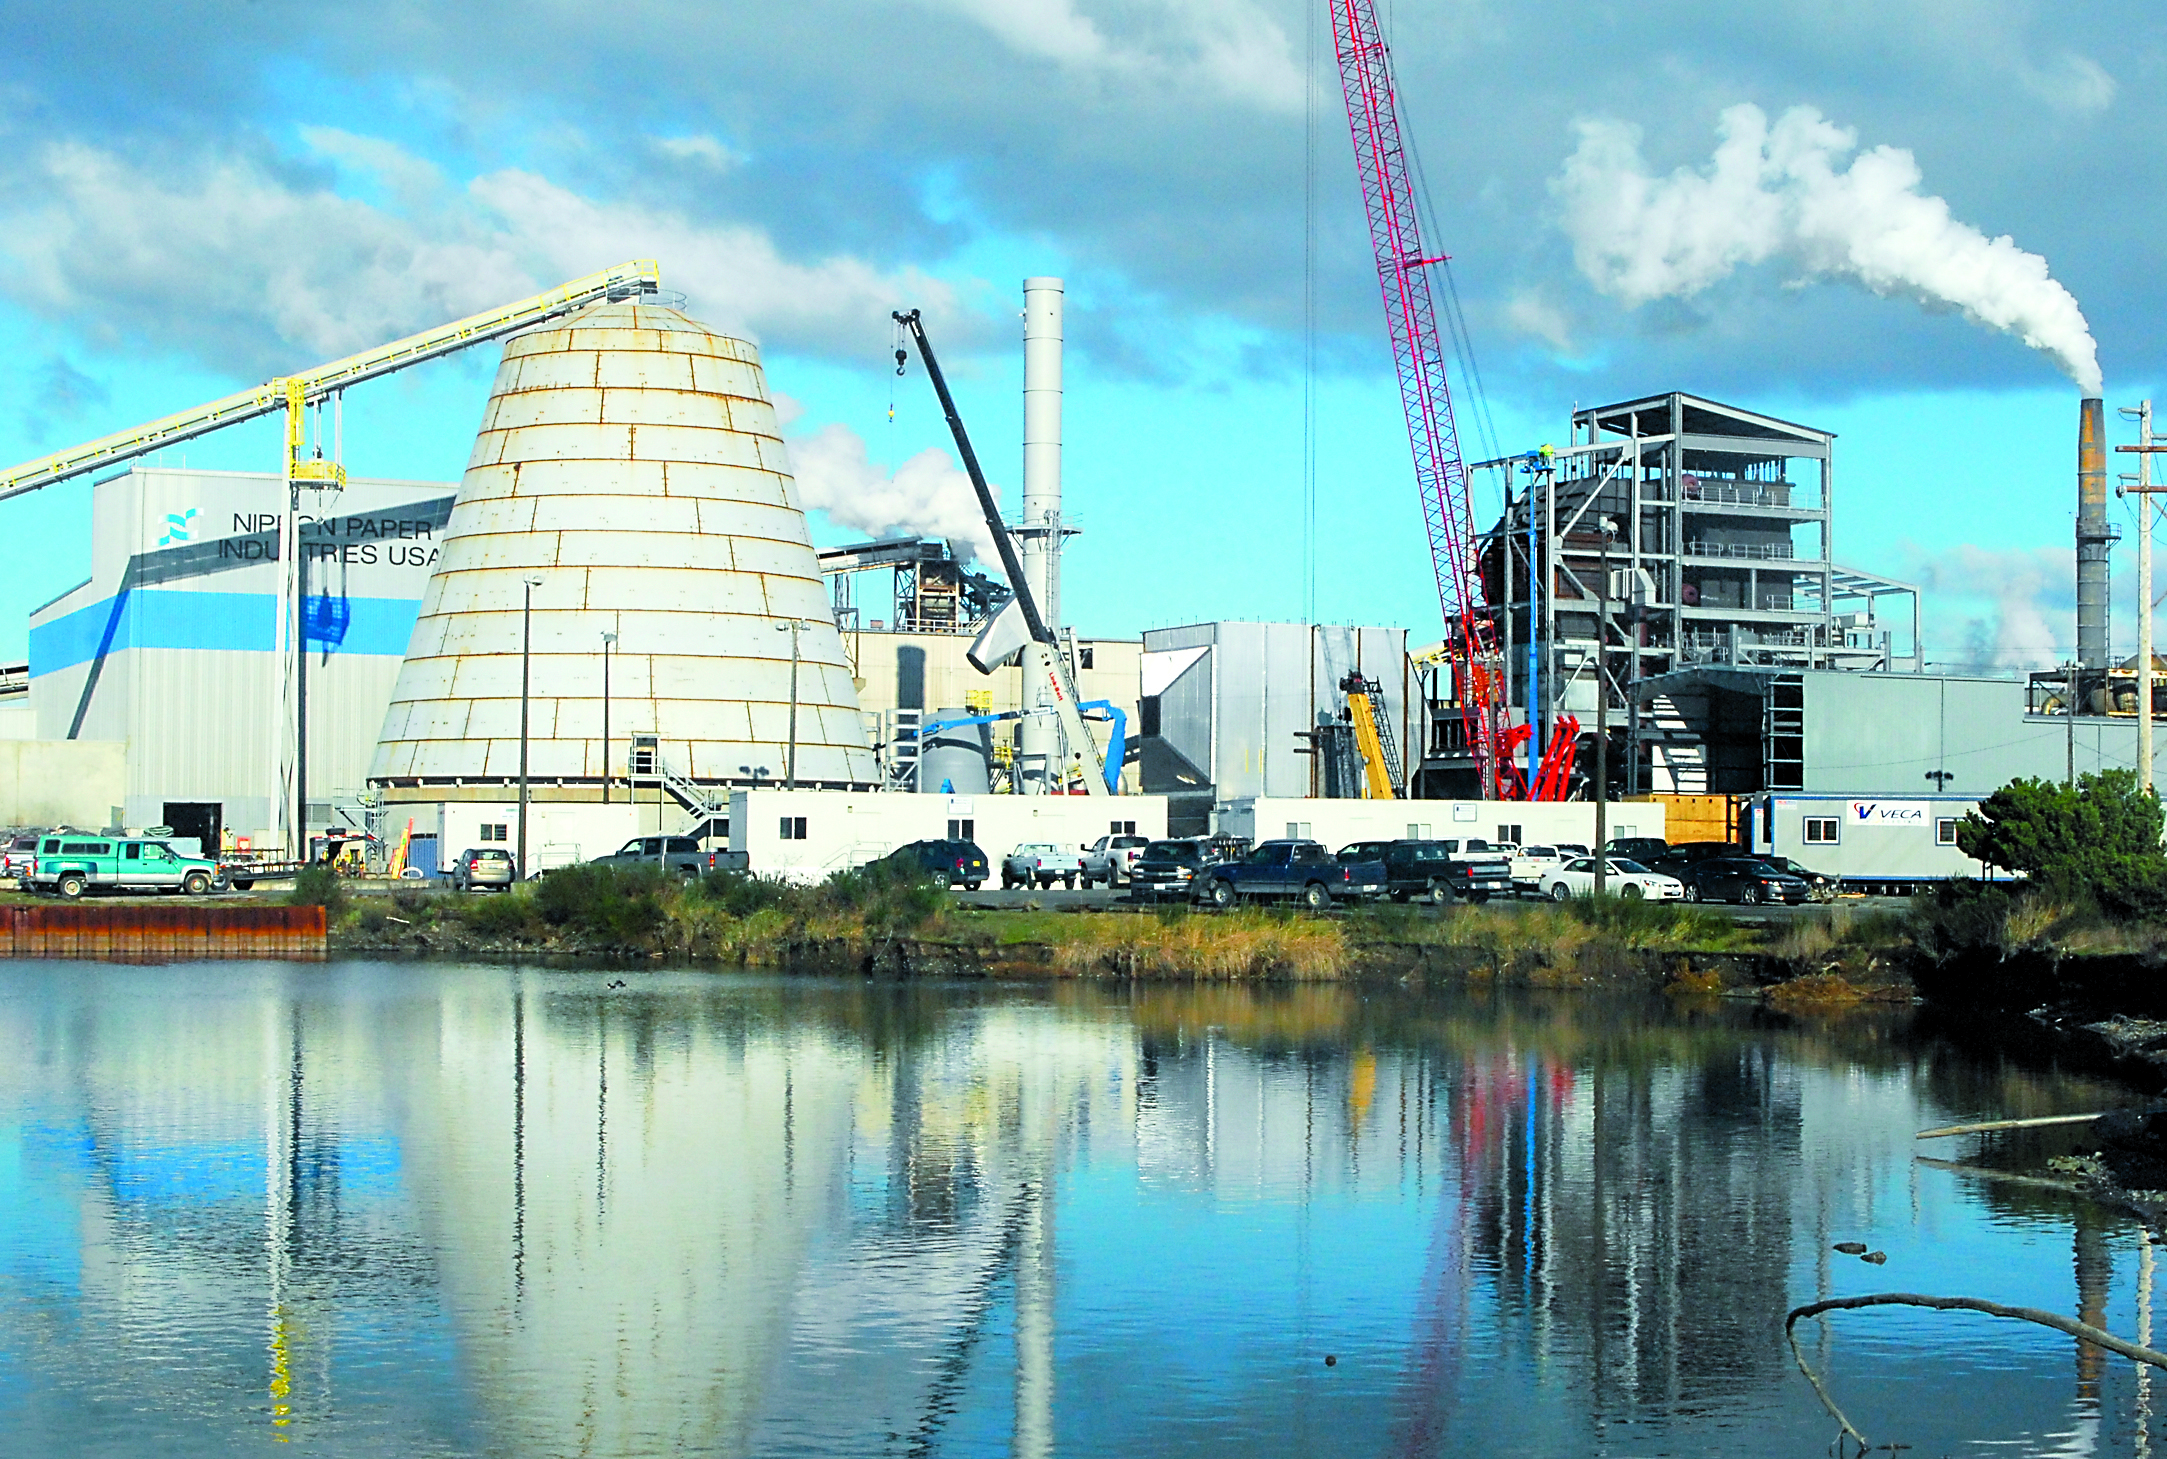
(120,932)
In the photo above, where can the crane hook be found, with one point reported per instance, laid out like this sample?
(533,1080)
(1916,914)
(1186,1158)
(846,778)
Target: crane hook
(902,357)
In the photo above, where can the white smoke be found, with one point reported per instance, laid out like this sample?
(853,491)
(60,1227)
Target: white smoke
(1781,193)
(927,496)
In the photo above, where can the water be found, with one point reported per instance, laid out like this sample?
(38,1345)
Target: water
(401,1210)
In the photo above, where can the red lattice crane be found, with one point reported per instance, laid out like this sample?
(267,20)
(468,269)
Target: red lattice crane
(1365,73)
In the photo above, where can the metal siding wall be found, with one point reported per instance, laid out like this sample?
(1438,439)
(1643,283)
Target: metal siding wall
(1878,734)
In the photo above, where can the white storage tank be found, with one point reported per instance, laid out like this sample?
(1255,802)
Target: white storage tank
(630,465)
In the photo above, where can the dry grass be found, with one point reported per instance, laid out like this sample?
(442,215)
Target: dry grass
(1560,931)
(1817,991)
(1696,984)
(1247,944)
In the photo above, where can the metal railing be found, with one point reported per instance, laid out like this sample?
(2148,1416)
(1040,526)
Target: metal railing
(1751,551)
(1738,494)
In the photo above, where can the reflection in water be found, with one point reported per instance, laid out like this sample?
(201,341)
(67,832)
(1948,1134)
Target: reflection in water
(477,1211)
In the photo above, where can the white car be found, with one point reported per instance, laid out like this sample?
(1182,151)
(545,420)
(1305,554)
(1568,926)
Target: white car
(1576,878)
(1534,864)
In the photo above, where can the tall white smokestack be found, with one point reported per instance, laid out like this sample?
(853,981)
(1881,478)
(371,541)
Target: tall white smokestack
(1042,444)
(1041,526)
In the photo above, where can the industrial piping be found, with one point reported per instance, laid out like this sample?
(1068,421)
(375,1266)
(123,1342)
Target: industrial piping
(2095,536)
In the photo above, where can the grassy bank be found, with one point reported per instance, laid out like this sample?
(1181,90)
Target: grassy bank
(871,921)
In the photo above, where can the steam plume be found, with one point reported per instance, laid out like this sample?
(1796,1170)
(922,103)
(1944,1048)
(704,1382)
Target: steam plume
(1781,192)
(927,496)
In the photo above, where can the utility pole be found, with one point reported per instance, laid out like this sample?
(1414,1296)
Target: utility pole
(526,645)
(1602,711)
(608,639)
(2143,491)
(793,627)
(2069,686)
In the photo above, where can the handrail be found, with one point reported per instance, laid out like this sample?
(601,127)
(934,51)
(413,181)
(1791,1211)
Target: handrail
(641,276)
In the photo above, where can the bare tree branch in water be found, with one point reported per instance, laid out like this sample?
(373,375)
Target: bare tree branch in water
(2082,1331)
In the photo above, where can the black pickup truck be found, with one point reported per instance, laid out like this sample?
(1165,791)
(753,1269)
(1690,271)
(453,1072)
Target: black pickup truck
(1302,870)
(1430,870)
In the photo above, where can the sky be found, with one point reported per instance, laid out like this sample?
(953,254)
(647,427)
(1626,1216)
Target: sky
(1915,223)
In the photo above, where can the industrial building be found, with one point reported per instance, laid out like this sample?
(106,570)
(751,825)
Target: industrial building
(1705,533)
(172,646)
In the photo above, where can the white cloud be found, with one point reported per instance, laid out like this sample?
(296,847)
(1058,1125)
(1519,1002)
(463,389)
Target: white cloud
(2073,83)
(1531,313)
(1231,44)
(1778,192)
(927,496)
(698,147)
(254,269)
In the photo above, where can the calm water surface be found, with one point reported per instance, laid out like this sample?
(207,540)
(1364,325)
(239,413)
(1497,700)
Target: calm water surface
(400,1210)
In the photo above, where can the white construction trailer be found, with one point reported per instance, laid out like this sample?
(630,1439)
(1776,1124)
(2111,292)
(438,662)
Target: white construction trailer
(1883,846)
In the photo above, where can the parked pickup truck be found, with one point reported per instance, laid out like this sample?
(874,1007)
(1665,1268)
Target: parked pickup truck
(1112,859)
(1302,870)
(681,854)
(1435,871)
(1040,863)
(74,864)
(1167,867)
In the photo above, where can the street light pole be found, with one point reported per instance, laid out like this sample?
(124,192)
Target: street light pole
(1602,711)
(607,640)
(790,766)
(526,646)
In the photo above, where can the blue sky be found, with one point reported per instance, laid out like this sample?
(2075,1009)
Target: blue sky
(196,198)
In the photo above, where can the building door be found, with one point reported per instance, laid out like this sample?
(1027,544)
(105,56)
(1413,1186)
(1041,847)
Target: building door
(202,819)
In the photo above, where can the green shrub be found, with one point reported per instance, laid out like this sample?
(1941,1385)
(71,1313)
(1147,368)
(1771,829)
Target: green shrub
(2094,843)
(506,914)
(319,886)
(887,896)
(622,904)
(742,893)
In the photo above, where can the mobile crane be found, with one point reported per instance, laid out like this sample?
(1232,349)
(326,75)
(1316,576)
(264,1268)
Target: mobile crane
(1018,628)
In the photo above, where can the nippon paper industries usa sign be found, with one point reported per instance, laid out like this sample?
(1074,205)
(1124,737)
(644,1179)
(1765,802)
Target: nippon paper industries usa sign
(1890,813)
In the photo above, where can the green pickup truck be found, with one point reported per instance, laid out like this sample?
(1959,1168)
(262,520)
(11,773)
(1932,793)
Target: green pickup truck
(74,863)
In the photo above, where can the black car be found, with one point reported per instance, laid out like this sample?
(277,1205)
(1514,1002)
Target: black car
(1824,886)
(946,863)
(1649,849)
(1738,879)
(1167,867)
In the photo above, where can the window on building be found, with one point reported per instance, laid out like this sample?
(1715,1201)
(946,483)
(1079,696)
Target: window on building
(496,831)
(1945,831)
(1417,832)
(793,828)
(1083,656)
(1122,828)
(1821,830)
(1297,830)
(1510,835)
(963,830)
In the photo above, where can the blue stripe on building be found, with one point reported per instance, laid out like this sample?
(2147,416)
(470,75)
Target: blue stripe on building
(176,618)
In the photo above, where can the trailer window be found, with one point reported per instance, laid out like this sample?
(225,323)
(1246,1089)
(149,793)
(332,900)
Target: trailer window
(1945,831)
(793,828)
(1821,830)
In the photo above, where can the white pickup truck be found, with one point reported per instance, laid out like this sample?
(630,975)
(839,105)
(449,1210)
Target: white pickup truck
(1111,859)
(1041,864)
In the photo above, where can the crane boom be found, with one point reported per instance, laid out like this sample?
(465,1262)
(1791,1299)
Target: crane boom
(1365,71)
(1045,668)
(642,276)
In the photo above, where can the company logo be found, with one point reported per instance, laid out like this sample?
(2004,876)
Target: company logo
(178,526)
(1888,813)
